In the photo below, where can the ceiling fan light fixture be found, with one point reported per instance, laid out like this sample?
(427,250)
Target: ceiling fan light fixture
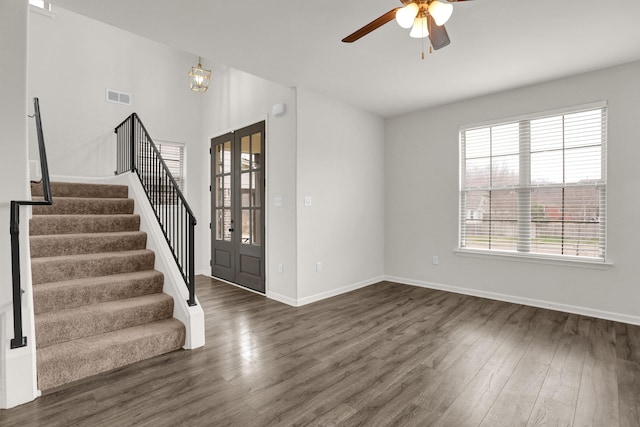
(420,28)
(406,15)
(441,12)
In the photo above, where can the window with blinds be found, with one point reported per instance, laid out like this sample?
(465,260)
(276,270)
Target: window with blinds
(536,185)
(173,156)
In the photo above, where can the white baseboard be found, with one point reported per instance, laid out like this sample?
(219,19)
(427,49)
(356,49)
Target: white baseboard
(307,300)
(584,311)
(282,298)
(271,295)
(244,288)
(339,291)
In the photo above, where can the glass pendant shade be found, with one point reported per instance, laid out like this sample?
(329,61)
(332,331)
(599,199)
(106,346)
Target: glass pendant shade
(199,78)
(441,12)
(406,15)
(420,28)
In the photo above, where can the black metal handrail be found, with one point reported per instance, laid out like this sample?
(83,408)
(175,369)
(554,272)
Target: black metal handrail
(136,152)
(19,340)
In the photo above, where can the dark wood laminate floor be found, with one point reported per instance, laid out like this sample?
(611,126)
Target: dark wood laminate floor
(387,354)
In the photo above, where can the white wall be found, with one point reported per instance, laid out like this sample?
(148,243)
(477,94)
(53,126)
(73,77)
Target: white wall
(340,166)
(421,190)
(13,122)
(236,99)
(73,60)
(320,148)
(17,368)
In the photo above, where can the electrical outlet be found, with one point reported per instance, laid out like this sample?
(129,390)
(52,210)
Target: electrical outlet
(307,201)
(435,260)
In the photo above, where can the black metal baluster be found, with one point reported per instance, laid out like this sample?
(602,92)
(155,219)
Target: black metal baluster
(174,203)
(181,232)
(191,268)
(170,208)
(166,204)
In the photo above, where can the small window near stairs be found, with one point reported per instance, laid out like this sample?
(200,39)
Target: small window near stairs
(41,6)
(173,155)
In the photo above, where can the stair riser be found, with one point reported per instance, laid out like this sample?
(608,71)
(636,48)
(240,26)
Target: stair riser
(58,327)
(55,369)
(47,299)
(59,245)
(44,270)
(68,189)
(77,206)
(70,224)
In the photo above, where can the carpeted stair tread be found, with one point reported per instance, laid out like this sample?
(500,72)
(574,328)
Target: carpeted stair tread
(98,301)
(85,243)
(74,189)
(60,326)
(93,290)
(63,363)
(86,206)
(75,224)
(56,269)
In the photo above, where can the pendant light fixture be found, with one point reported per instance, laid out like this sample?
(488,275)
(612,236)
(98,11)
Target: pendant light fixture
(199,78)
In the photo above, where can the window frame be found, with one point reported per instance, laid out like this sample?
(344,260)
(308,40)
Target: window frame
(524,183)
(183,151)
(46,9)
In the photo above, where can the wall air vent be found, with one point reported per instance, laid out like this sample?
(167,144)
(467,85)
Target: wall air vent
(118,97)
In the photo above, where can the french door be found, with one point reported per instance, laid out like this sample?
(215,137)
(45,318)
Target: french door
(237,207)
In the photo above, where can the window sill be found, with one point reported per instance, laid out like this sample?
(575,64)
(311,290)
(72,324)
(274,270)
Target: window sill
(537,259)
(42,11)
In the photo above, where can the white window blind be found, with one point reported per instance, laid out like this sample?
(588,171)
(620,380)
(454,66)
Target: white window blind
(173,156)
(536,185)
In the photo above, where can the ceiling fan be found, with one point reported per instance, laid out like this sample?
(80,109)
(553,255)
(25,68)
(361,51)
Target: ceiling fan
(426,18)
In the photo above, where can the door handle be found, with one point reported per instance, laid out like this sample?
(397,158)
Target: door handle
(231,229)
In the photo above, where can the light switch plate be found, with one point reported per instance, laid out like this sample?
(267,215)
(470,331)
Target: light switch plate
(278,201)
(307,201)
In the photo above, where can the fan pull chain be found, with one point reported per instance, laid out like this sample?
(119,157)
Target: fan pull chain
(422,39)
(430,45)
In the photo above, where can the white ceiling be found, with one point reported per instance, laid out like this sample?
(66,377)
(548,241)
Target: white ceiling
(495,44)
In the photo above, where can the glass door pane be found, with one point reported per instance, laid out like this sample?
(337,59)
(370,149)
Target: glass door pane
(222,192)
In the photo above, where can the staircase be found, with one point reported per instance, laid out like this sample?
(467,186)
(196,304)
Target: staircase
(98,301)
